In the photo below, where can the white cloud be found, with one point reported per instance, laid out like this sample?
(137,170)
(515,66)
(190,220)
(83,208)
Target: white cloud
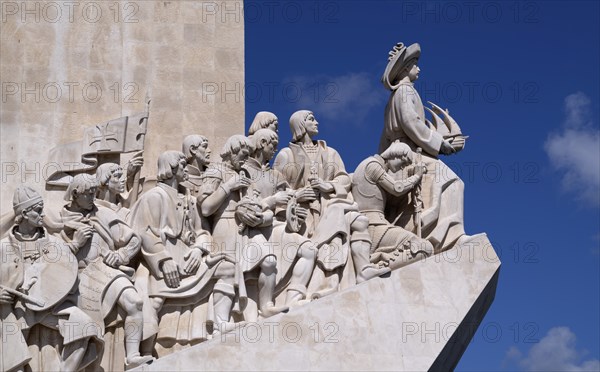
(577,108)
(344,99)
(575,151)
(555,352)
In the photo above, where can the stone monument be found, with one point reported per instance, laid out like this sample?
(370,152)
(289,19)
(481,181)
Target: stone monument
(171,260)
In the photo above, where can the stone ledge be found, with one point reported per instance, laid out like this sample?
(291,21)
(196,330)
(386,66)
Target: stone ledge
(421,317)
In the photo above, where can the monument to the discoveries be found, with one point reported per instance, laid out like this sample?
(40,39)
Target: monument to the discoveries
(140,249)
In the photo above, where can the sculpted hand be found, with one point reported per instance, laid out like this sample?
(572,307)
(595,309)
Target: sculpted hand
(302,213)
(306,194)
(237,183)
(193,259)
(204,248)
(171,273)
(447,148)
(6,298)
(283,197)
(420,170)
(320,185)
(27,286)
(251,219)
(82,235)
(212,260)
(112,259)
(458,143)
(135,163)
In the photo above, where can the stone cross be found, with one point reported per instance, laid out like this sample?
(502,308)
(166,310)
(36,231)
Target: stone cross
(103,137)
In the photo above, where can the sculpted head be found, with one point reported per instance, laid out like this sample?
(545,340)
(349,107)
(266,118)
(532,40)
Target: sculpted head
(402,63)
(172,164)
(111,177)
(264,120)
(302,123)
(195,147)
(265,141)
(397,156)
(236,151)
(412,71)
(28,206)
(82,191)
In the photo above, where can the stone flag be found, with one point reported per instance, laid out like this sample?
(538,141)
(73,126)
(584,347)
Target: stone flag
(122,135)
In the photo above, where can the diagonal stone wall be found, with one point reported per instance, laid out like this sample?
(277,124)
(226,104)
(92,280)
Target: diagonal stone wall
(420,318)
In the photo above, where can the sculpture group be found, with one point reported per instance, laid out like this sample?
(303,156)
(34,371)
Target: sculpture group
(215,244)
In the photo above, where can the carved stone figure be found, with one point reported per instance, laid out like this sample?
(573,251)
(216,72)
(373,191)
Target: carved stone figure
(392,246)
(238,220)
(38,275)
(333,221)
(117,277)
(296,254)
(111,189)
(197,154)
(105,245)
(442,190)
(178,273)
(264,120)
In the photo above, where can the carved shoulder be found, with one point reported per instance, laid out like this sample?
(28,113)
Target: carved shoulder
(282,158)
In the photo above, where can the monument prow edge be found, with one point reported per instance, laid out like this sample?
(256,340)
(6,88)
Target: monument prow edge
(422,317)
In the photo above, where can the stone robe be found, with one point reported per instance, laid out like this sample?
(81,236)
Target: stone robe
(195,179)
(284,243)
(99,284)
(169,225)
(248,244)
(265,183)
(330,215)
(118,208)
(405,121)
(227,230)
(193,187)
(43,259)
(442,190)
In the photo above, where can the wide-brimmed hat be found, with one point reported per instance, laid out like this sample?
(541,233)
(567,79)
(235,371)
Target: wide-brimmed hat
(399,58)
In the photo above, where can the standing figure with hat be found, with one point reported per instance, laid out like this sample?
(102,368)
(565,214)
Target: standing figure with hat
(442,190)
(38,276)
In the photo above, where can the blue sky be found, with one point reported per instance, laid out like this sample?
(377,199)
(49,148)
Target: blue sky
(522,79)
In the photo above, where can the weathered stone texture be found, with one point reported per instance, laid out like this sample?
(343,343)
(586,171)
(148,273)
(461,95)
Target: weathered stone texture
(66,66)
(422,317)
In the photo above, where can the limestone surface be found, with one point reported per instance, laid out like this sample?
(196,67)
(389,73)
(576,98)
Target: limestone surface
(421,317)
(68,65)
